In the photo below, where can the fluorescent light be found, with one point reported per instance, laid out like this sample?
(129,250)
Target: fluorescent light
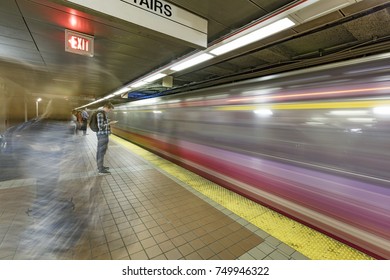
(191,62)
(122,90)
(154,77)
(138,84)
(254,36)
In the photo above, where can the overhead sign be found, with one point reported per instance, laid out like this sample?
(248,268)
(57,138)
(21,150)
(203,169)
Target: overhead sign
(79,43)
(157,15)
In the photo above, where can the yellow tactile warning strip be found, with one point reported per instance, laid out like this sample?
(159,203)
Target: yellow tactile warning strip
(303,239)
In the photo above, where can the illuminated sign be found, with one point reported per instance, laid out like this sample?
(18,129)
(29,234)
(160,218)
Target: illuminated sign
(78,43)
(157,15)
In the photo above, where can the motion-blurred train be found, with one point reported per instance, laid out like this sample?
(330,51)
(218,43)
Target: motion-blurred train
(313,144)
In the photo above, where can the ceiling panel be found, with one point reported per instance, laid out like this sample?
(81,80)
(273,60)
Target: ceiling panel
(9,7)
(270,5)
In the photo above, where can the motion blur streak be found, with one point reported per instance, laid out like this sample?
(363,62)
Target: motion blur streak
(317,105)
(313,144)
(59,198)
(321,93)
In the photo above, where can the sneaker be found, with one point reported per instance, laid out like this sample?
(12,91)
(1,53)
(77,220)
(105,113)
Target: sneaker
(104,168)
(104,172)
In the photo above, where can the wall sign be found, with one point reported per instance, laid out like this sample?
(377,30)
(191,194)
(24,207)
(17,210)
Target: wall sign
(157,15)
(78,43)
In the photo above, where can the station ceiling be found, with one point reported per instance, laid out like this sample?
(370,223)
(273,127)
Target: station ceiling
(33,59)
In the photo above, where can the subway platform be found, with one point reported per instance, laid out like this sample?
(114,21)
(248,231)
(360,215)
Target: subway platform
(147,209)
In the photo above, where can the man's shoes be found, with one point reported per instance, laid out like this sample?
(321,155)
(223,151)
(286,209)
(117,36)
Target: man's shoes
(105,168)
(104,172)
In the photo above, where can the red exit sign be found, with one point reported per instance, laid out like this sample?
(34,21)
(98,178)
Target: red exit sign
(78,43)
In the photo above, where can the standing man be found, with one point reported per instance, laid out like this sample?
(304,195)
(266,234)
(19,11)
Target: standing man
(102,134)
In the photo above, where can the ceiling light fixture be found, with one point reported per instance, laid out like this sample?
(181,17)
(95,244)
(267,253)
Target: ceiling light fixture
(254,36)
(192,61)
(122,90)
(154,77)
(138,84)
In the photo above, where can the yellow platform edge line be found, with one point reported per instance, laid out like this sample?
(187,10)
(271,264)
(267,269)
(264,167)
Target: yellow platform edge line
(307,241)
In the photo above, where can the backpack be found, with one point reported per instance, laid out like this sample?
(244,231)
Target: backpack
(93,121)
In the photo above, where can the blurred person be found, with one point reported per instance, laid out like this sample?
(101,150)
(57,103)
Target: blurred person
(79,120)
(74,121)
(44,152)
(104,130)
(84,121)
